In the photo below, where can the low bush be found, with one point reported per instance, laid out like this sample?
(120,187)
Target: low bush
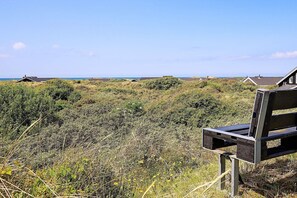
(60,90)
(135,107)
(163,83)
(19,106)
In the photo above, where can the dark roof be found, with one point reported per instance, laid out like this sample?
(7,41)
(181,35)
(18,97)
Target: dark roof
(284,78)
(34,79)
(260,80)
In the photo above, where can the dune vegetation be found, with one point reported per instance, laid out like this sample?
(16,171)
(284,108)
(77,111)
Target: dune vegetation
(125,139)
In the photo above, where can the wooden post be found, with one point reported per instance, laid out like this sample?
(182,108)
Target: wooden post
(222,169)
(234,177)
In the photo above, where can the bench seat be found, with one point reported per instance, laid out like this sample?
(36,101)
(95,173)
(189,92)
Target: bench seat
(215,138)
(274,118)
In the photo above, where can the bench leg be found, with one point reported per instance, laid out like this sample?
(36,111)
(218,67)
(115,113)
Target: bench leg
(234,177)
(222,169)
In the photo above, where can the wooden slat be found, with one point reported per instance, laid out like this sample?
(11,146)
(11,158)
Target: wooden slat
(243,132)
(274,136)
(278,151)
(283,121)
(268,113)
(285,99)
(234,127)
(222,169)
(264,115)
(246,151)
(230,135)
(255,114)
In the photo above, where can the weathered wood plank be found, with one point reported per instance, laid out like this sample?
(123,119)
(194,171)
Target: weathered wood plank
(246,151)
(234,177)
(222,169)
(255,114)
(277,152)
(278,135)
(283,121)
(234,127)
(285,99)
(212,143)
(265,114)
(228,135)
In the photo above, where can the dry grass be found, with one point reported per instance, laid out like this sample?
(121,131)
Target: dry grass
(127,155)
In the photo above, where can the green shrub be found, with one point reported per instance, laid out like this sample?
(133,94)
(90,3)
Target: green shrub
(195,109)
(58,89)
(74,97)
(164,83)
(202,84)
(20,106)
(118,91)
(135,107)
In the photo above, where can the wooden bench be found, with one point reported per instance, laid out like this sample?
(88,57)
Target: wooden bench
(251,140)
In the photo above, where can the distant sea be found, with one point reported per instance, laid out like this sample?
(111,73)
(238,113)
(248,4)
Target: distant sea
(8,79)
(128,77)
(77,78)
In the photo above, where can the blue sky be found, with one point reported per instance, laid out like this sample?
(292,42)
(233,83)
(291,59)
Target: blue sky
(94,38)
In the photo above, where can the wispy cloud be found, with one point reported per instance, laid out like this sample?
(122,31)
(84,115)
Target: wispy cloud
(18,46)
(284,55)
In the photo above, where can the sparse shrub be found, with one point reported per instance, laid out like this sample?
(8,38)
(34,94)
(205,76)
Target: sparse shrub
(163,83)
(135,107)
(116,80)
(87,101)
(216,85)
(239,87)
(119,91)
(202,84)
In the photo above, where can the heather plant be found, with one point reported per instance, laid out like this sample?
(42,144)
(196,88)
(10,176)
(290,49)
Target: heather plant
(21,105)
(163,83)
(60,90)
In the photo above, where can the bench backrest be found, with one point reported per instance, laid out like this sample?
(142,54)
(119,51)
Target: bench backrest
(266,102)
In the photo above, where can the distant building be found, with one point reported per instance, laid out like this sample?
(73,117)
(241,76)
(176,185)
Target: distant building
(289,81)
(262,81)
(33,79)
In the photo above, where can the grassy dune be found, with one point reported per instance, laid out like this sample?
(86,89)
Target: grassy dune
(125,139)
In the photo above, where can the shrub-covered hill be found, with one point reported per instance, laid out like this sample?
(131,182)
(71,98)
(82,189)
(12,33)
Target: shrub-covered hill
(117,138)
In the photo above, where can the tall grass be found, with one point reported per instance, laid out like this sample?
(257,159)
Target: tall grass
(125,139)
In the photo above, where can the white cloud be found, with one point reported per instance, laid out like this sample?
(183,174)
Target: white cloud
(4,56)
(282,55)
(18,45)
